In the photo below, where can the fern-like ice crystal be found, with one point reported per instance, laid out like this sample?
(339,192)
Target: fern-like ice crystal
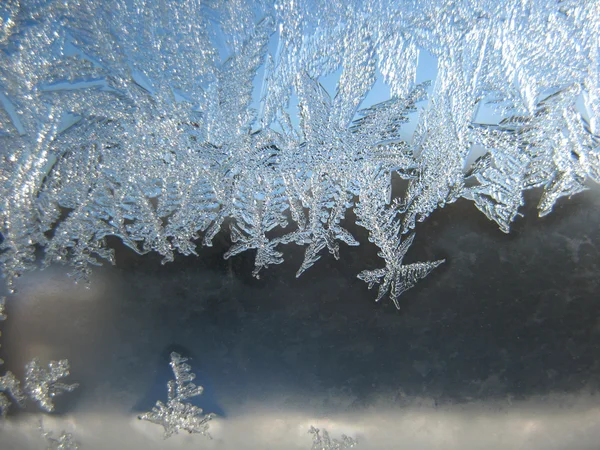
(165,123)
(178,413)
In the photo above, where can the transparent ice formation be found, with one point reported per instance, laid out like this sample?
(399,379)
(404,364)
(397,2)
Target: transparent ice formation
(178,413)
(162,123)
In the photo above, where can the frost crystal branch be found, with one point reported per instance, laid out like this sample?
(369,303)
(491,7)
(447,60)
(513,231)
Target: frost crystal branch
(384,231)
(163,123)
(178,414)
(322,441)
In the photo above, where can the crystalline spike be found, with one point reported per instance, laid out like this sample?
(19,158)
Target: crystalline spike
(183,378)
(358,76)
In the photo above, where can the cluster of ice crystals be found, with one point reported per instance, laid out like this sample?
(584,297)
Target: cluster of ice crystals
(322,441)
(42,385)
(160,123)
(178,414)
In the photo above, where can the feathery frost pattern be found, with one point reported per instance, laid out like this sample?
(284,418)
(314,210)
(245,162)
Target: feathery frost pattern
(165,123)
(178,414)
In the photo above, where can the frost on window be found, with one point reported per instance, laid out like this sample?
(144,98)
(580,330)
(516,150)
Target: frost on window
(178,413)
(165,123)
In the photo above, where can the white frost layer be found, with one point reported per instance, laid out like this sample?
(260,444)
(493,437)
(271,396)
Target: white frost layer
(557,422)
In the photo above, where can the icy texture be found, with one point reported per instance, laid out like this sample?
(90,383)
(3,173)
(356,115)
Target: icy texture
(11,386)
(63,442)
(143,120)
(42,385)
(178,414)
(384,231)
(322,441)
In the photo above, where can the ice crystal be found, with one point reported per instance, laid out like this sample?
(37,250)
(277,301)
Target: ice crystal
(552,149)
(162,123)
(42,385)
(322,441)
(63,442)
(384,227)
(178,414)
(11,385)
